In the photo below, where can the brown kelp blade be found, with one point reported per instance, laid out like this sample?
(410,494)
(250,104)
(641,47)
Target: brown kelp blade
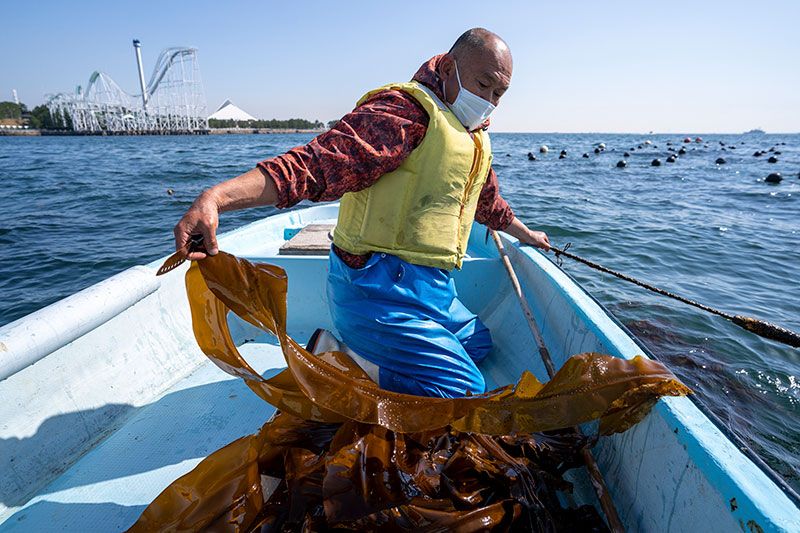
(178,258)
(353,455)
(172,262)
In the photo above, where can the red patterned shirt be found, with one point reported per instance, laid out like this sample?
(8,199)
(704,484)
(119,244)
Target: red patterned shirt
(370,141)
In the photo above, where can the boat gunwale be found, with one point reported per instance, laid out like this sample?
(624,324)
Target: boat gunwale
(707,448)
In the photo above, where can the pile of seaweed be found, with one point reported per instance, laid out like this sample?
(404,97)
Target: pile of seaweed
(342,454)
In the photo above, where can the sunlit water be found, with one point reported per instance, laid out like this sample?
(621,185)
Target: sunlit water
(75,210)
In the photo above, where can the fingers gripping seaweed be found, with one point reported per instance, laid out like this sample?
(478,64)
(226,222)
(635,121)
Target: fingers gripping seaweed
(349,455)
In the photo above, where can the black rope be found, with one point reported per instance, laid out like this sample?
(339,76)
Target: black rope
(759,327)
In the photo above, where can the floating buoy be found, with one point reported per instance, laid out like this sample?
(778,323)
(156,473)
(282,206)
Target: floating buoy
(771,149)
(169,191)
(586,156)
(602,146)
(563,152)
(757,154)
(531,157)
(544,149)
(508,155)
(772,159)
(720,161)
(698,140)
(626,154)
(640,147)
(776,152)
(775,177)
(732,147)
(671,159)
(687,140)
(648,143)
(562,156)
(705,145)
(622,164)
(669,143)
(722,143)
(655,163)
(682,151)
(597,150)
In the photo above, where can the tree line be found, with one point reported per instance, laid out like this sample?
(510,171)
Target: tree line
(39,118)
(290,124)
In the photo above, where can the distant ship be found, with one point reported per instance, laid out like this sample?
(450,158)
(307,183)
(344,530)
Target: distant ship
(756,131)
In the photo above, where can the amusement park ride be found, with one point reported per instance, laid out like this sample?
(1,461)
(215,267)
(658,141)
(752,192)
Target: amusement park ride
(172,102)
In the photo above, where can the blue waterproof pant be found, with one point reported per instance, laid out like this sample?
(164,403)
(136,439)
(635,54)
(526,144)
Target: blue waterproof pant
(407,319)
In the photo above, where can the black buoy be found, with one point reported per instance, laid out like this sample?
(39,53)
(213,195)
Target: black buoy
(771,149)
(776,152)
(682,151)
(597,150)
(732,147)
(622,164)
(669,143)
(775,177)
(722,143)
(772,159)
(640,147)
(169,191)
(626,154)
(757,154)
(531,157)
(655,163)
(671,159)
(720,161)
(562,156)
(723,148)
(508,155)
(586,156)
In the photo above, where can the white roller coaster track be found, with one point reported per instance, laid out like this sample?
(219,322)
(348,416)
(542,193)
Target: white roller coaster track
(175,100)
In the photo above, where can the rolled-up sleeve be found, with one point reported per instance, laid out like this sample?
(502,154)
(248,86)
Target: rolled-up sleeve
(493,211)
(372,140)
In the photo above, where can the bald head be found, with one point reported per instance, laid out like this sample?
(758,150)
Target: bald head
(477,42)
(484,66)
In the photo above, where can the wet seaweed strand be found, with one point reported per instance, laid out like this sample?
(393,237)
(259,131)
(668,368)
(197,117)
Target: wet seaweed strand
(352,456)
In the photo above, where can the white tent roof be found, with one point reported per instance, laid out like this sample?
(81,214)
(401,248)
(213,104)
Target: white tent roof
(228,111)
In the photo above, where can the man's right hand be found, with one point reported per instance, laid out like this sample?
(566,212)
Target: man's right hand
(202,218)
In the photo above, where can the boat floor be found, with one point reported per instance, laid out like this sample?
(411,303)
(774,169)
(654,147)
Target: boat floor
(109,487)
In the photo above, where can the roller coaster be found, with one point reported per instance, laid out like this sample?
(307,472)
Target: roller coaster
(172,102)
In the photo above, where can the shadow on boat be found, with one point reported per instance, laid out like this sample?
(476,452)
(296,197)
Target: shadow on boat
(186,424)
(50,516)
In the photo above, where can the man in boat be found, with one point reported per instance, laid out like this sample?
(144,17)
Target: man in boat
(412,167)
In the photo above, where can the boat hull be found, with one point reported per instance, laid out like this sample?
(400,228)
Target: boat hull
(113,411)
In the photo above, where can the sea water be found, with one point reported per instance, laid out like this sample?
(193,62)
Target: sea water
(76,210)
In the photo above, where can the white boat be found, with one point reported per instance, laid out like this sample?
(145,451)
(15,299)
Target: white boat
(106,398)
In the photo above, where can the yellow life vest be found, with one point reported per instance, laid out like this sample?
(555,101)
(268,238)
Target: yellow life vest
(422,212)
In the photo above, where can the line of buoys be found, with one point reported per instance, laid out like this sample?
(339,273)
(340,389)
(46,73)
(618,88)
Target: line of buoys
(775,177)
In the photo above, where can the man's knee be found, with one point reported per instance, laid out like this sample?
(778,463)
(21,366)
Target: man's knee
(472,383)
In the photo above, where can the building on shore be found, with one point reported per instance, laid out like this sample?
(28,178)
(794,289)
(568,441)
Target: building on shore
(229,111)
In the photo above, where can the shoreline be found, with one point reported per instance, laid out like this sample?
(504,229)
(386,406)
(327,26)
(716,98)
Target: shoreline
(212,131)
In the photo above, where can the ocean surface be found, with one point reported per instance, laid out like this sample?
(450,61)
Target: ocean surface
(76,210)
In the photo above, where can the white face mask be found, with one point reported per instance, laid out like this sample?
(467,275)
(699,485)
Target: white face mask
(470,109)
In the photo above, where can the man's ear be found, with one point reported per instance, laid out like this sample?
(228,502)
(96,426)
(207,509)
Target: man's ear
(447,66)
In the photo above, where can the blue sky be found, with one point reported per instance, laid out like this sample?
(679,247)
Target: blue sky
(578,66)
